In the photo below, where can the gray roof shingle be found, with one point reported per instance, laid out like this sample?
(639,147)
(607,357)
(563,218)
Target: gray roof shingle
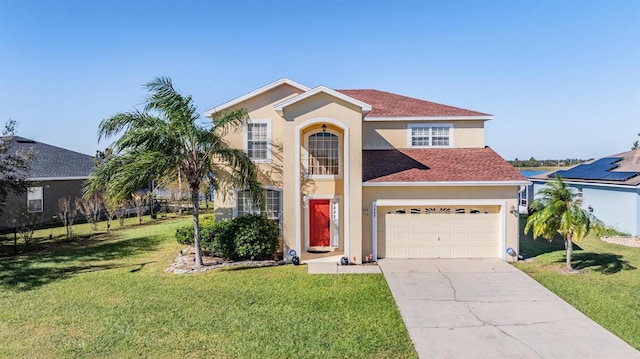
(54,162)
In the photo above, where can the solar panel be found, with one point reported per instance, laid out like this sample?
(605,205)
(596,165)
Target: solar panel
(598,170)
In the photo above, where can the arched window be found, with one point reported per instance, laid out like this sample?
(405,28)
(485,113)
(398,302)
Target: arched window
(323,154)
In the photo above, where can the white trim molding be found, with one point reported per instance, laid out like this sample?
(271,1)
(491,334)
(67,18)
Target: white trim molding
(210,113)
(245,138)
(430,126)
(347,176)
(365,108)
(447,184)
(441,202)
(429,118)
(335,216)
(592,184)
(305,157)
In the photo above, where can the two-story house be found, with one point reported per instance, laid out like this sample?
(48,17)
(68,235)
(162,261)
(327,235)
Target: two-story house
(366,172)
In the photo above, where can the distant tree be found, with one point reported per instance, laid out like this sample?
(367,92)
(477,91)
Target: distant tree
(122,208)
(557,210)
(165,139)
(636,145)
(25,223)
(14,166)
(66,212)
(137,200)
(91,206)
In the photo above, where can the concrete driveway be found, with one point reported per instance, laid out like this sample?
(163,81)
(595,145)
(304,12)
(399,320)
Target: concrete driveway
(486,308)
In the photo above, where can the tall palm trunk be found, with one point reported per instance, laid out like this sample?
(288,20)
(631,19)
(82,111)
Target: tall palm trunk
(569,244)
(196,225)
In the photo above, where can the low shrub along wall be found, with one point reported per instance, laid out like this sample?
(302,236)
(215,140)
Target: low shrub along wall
(244,237)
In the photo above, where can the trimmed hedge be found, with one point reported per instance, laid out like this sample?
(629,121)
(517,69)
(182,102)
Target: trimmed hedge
(184,235)
(244,237)
(255,236)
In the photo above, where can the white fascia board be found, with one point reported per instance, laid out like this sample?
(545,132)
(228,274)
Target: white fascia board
(71,178)
(428,118)
(610,185)
(447,184)
(438,202)
(254,93)
(364,106)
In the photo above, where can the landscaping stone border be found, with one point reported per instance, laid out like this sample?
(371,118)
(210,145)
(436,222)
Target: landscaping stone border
(628,241)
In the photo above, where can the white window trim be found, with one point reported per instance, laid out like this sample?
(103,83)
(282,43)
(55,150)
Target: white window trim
(346,208)
(234,199)
(306,157)
(32,190)
(335,214)
(411,126)
(245,138)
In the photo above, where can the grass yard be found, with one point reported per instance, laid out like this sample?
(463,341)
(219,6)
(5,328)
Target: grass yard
(108,296)
(607,287)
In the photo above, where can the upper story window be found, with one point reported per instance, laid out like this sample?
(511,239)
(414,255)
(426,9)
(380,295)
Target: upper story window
(34,199)
(430,135)
(258,140)
(324,155)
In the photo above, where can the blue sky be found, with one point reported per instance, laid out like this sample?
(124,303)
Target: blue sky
(562,78)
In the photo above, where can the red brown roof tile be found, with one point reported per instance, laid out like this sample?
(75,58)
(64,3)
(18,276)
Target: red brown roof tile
(437,165)
(386,104)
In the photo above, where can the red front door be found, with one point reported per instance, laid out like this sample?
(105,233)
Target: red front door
(319,223)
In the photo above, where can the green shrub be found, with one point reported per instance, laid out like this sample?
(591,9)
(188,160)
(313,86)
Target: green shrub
(240,238)
(218,239)
(184,235)
(255,236)
(611,231)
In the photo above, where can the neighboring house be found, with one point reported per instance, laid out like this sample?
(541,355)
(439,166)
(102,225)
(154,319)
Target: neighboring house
(360,172)
(609,187)
(55,173)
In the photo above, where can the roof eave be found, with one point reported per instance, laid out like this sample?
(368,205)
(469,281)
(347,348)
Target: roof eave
(261,90)
(364,107)
(429,118)
(61,178)
(447,183)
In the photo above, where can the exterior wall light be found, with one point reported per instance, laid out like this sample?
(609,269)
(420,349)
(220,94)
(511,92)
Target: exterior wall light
(324,127)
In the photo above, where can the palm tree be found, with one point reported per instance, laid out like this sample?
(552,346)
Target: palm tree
(557,210)
(165,138)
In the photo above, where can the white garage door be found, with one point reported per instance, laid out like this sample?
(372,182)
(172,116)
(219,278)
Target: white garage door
(442,233)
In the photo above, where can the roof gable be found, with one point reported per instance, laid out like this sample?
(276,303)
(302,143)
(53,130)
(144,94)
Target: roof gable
(254,93)
(365,108)
(386,104)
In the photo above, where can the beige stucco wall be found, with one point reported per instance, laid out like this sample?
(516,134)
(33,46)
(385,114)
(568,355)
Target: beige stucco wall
(384,135)
(509,194)
(259,108)
(309,115)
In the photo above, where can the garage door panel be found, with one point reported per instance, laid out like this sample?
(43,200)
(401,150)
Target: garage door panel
(441,235)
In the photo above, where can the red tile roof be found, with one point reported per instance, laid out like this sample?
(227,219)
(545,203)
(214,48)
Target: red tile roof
(386,104)
(436,165)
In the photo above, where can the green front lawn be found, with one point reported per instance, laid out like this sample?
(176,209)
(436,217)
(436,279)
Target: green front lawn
(606,288)
(108,296)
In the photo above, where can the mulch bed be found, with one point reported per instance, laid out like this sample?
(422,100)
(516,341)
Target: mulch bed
(185,263)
